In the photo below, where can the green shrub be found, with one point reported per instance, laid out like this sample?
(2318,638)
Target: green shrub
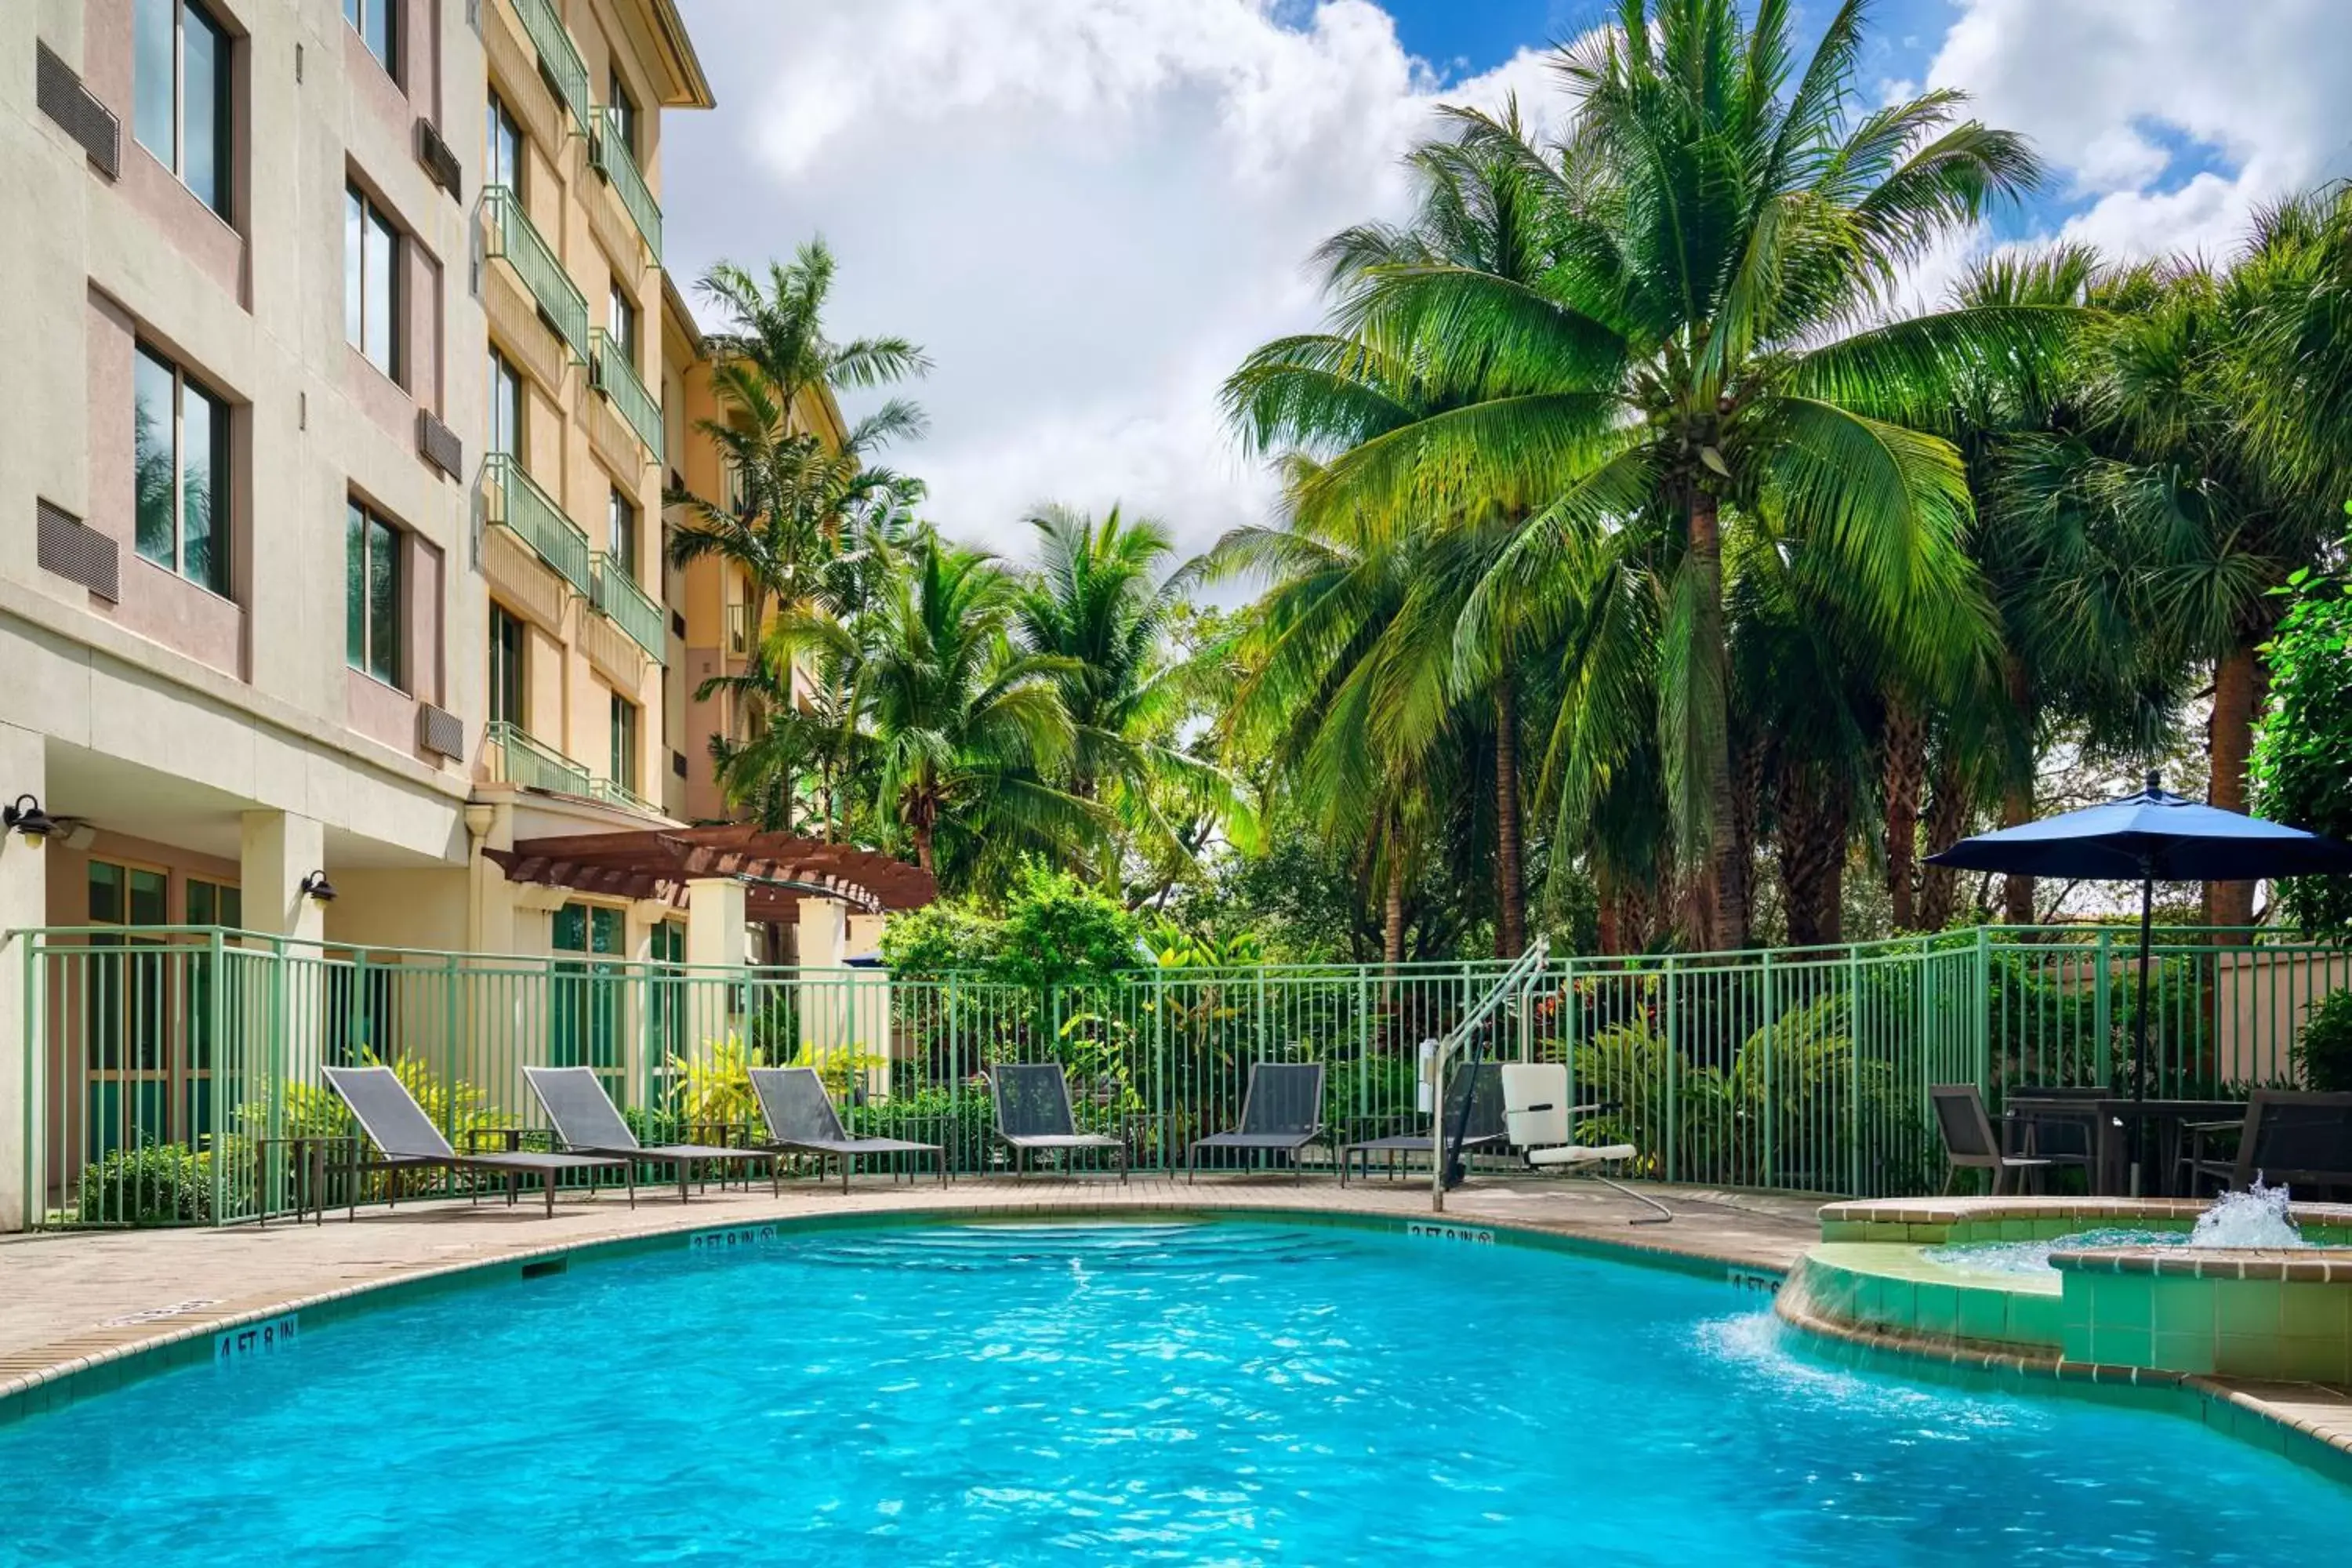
(150,1184)
(959,1121)
(1057,930)
(2323,1053)
(950,937)
(2301,770)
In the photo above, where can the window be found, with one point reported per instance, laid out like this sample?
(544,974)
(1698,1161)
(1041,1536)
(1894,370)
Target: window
(506,669)
(625,743)
(506,407)
(180,450)
(214,904)
(180,92)
(621,522)
(371,596)
(502,161)
(378,22)
(622,116)
(621,323)
(371,282)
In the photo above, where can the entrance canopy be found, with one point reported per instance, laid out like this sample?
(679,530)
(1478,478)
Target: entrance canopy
(776,869)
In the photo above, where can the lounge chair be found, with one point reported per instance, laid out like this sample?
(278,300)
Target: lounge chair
(1539,1123)
(1969,1142)
(399,1128)
(2287,1139)
(1282,1112)
(802,1120)
(587,1122)
(1033,1114)
(1482,1127)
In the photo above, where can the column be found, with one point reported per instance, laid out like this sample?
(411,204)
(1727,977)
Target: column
(24,906)
(277,851)
(715,924)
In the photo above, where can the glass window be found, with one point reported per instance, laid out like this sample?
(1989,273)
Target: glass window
(180,453)
(625,743)
(621,323)
(214,904)
(621,526)
(378,22)
(506,669)
(181,90)
(372,598)
(502,162)
(622,115)
(506,407)
(371,282)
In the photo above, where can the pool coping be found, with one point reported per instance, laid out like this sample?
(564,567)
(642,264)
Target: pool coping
(2308,1423)
(98,1361)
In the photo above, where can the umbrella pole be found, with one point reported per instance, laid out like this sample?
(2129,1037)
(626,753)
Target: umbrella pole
(2140,1027)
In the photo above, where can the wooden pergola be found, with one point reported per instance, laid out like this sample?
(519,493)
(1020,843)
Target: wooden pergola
(777,870)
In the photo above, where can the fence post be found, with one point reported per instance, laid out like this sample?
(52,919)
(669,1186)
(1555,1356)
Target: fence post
(1674,1064)
(215,1037)
(1853,1068)
(1982,1010)
(1772,1104)
(2103,1006)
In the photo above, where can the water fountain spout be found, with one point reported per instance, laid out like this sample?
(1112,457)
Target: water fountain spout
(2255,1217)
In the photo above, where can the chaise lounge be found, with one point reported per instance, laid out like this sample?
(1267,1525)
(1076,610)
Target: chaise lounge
(802,1120)
(587,1122)
(1033,1114)
(405,1136)
(1282,1112)
(1482,1127)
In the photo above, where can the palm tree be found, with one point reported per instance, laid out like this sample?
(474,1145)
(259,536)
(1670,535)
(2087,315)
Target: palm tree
(966,727)
(1101,602)
(1687,359)
(797,495)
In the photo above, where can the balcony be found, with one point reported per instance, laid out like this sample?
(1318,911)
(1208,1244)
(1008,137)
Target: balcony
(518,504)
(609,152)
(613,794)
(559,56)
(612,374)
(618,599)
(515,758)
(508,233)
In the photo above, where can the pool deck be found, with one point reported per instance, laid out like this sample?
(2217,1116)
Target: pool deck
(75,1302)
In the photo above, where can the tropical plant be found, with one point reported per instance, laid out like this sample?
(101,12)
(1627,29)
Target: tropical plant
(1683,358)
(2322,1052)
(2303,758)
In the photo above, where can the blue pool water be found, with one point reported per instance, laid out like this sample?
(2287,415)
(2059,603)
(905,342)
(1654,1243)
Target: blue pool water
(1225,1392)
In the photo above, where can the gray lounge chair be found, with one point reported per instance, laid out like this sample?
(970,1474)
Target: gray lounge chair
(1483,1127)
(587,1122)
(399,1128)
(1033,1114)
(1282,1112)
(802,1120)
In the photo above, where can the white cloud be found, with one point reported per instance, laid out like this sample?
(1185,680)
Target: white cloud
(1088,210)
(2101,84)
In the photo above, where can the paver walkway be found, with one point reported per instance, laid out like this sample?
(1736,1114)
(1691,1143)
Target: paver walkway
(77,1298)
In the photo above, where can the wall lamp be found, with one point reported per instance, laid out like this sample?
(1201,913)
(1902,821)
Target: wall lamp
(316,885)
(27,818)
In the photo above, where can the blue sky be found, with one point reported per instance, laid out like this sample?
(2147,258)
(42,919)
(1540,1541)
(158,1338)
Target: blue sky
(1089,211)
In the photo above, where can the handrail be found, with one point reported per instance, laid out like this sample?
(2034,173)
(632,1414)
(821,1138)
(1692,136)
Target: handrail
(1518,979)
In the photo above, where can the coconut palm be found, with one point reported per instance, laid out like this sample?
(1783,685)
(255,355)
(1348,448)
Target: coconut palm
(967,728)
(1691,358)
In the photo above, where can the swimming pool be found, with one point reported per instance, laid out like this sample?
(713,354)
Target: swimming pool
(1186,1393)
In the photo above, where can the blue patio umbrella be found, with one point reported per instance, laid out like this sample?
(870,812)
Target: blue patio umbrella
(2150,838)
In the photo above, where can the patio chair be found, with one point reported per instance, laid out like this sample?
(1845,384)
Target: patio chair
(399,1128)
(1540,1123)
(1282,1112)
(1033,1114)
(801,1121)
(1969,1142)
(2288,1137)
(2057,1122)
(587,1122)
(1482,1127)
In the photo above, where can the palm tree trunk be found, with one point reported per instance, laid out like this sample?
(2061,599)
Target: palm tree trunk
(921,828)
(1393,911)
(2229,742)
(1947,818)
(1721,906)
(1510,880)
(1608,930)
(1907,766)
(2017,795)
(1811,850)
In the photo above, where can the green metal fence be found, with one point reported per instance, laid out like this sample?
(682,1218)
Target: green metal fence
(169,1070)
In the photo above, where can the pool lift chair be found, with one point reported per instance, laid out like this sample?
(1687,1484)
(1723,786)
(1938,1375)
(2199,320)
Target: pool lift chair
(1537,1113)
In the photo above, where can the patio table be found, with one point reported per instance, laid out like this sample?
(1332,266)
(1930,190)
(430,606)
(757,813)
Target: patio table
(2117,1121)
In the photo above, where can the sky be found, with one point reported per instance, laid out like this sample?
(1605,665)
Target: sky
(1088,211)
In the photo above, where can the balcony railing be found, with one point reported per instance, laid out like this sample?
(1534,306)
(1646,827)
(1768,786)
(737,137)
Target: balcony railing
(559,56)
(616,378)
(742,636)
(516,502)
(619,794)
(628,607)
(509,234)
(518,759)
(613,158)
